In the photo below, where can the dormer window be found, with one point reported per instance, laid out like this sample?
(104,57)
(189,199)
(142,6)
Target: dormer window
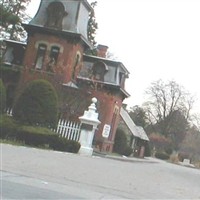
(55,13)
(40,56)
(99,69)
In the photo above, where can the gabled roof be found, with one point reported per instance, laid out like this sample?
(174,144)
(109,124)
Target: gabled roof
(142,133)
(137,131)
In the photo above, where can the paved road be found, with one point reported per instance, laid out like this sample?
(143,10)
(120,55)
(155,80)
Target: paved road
(29,173)
(16,186)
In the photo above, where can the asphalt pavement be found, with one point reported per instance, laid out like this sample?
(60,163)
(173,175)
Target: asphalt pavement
(29,173)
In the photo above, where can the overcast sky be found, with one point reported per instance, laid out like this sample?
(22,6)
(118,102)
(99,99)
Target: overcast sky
(154,39)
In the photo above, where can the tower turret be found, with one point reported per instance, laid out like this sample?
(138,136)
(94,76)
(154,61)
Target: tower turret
(57,38)
(70,16)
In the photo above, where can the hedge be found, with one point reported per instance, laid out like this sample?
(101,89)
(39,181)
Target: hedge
(162,155)
(8,127)
(35,136)
(62,144)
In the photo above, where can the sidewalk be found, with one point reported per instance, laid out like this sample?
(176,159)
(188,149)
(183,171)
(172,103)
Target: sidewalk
(127,159)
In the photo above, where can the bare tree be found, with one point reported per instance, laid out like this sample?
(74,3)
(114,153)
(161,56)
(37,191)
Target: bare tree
(195,118)
(168,107)
(190,144)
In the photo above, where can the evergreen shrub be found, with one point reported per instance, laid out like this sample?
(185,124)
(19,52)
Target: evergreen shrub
(127,151)
(36,136)
(37,105)
(120,141)
(8,127)
(2,97)
(169,150)
(65,145)
(147,152)
(162,155)
(120,145)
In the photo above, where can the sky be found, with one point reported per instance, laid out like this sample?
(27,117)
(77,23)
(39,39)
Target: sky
(154,39)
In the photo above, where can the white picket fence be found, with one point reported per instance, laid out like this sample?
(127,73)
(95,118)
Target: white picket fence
(66,129)
(69,129)
(9,111)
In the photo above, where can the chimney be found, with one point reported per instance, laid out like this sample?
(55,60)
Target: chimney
(102,50)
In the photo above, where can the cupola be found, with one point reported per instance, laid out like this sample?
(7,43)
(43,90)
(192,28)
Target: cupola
(70,16)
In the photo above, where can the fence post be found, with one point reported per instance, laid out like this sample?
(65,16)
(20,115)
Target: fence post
(89,123)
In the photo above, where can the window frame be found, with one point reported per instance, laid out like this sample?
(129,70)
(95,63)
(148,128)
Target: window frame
(40,55)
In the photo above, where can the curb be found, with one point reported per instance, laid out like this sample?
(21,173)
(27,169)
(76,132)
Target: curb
(124,158)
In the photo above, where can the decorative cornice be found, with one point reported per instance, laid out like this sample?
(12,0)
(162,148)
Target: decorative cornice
(74,37)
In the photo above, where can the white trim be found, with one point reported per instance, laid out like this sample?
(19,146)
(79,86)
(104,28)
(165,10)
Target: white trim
(41,42)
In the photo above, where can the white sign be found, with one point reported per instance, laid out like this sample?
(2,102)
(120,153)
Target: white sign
(106,131)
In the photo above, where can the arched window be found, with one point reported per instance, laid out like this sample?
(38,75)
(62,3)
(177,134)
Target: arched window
(76,63)
(40,56)
(55,13)
(98,70)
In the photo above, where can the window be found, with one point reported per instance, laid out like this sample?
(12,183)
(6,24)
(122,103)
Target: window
(53,58)
(54,53)
(40,56)
(76,62)
(98,70)
(121,79)
(55,13)
(114,119)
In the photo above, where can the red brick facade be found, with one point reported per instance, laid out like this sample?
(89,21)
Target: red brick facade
(66,58)
(67,50)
